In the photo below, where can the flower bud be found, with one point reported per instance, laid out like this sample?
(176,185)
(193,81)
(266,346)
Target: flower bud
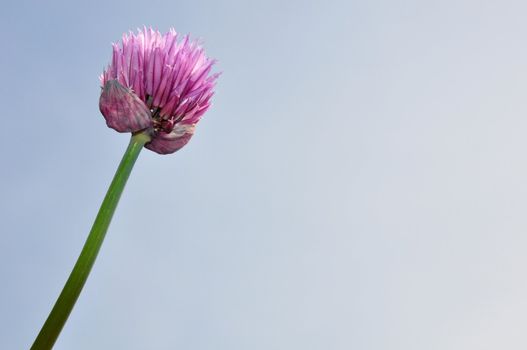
(122,109)
(166,143)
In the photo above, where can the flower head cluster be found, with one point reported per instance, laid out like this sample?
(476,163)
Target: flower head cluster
(160,83)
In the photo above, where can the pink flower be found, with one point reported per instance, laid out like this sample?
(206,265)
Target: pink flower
(157,83)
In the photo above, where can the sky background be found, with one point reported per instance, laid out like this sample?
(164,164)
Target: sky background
(359,183)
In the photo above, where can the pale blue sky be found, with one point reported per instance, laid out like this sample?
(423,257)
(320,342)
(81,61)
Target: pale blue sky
(360,182)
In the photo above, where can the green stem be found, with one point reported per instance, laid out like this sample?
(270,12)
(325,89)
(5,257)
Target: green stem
(67,298)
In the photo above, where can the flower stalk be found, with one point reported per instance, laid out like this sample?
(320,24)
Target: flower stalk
(73,287)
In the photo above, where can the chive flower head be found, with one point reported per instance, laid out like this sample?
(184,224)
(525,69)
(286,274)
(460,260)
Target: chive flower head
(160,83)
